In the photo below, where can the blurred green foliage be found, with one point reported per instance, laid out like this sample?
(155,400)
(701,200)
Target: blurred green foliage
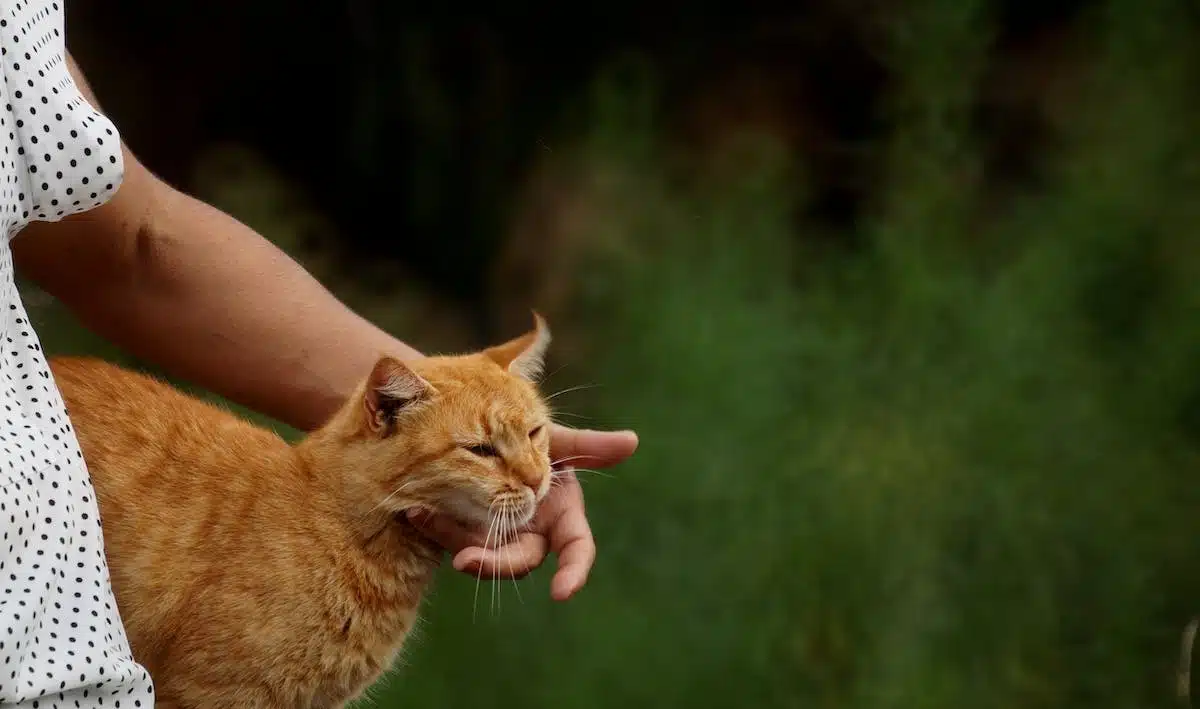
(956,465)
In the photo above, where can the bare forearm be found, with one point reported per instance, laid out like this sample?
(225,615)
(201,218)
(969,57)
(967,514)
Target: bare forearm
(187,287)
(224,307)
(208,299)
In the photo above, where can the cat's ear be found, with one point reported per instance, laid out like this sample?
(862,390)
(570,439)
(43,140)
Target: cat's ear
(524,356)
(391,387)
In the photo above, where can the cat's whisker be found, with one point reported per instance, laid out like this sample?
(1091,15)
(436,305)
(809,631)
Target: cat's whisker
(550,376)
(387,499)
(566,458)
(504,524)
(505,555)
(496,567)
(492,589)
(506,516)
(479,576)
(594,472)
(555,414)
(568,390)
(557,476)
(508,555)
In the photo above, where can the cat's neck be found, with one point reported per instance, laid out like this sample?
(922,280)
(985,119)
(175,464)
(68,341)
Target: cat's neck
(328,469)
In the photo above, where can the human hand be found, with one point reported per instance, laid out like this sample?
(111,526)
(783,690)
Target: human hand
(560,524)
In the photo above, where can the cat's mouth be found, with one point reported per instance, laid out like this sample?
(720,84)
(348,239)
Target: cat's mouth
(521,515)
(508,515)
(500,511)
(489,511)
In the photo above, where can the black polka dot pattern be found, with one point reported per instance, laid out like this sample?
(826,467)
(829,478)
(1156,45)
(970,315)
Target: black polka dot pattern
(61,639)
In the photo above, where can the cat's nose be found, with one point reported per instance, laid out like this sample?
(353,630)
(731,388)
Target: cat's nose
(531,479)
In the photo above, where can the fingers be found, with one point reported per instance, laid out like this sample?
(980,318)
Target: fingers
(570,536)
(591,448)
(511,561)
(569,533)
(514,560)
(445,531)
(575,564)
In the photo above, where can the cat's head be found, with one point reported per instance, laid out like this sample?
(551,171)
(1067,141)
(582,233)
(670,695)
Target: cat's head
(466,435)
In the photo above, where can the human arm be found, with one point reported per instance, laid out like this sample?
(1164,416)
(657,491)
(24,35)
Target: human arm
(177,282)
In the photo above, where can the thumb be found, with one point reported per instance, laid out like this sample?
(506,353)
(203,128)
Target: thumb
(602,449)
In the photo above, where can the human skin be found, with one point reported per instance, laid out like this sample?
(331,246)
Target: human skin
(177,282)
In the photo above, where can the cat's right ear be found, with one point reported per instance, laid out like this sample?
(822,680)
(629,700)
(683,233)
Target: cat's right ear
(391,387)
(524,356)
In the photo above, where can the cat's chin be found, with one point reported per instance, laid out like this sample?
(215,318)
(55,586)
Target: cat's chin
(468,512)
(478,516)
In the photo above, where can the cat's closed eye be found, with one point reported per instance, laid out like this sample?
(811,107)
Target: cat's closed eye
(482,450)
(535,431)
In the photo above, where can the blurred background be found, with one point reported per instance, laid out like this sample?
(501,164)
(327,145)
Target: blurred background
(903,298)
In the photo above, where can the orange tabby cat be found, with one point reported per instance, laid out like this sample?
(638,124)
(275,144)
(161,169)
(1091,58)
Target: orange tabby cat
(253,573)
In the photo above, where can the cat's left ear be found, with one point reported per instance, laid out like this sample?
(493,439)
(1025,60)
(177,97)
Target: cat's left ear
(524,356)
(391,387)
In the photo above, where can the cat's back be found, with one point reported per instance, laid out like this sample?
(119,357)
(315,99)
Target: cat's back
(120,415)
(99,389)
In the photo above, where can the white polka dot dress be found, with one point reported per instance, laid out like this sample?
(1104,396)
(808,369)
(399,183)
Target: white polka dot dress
(61,639)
